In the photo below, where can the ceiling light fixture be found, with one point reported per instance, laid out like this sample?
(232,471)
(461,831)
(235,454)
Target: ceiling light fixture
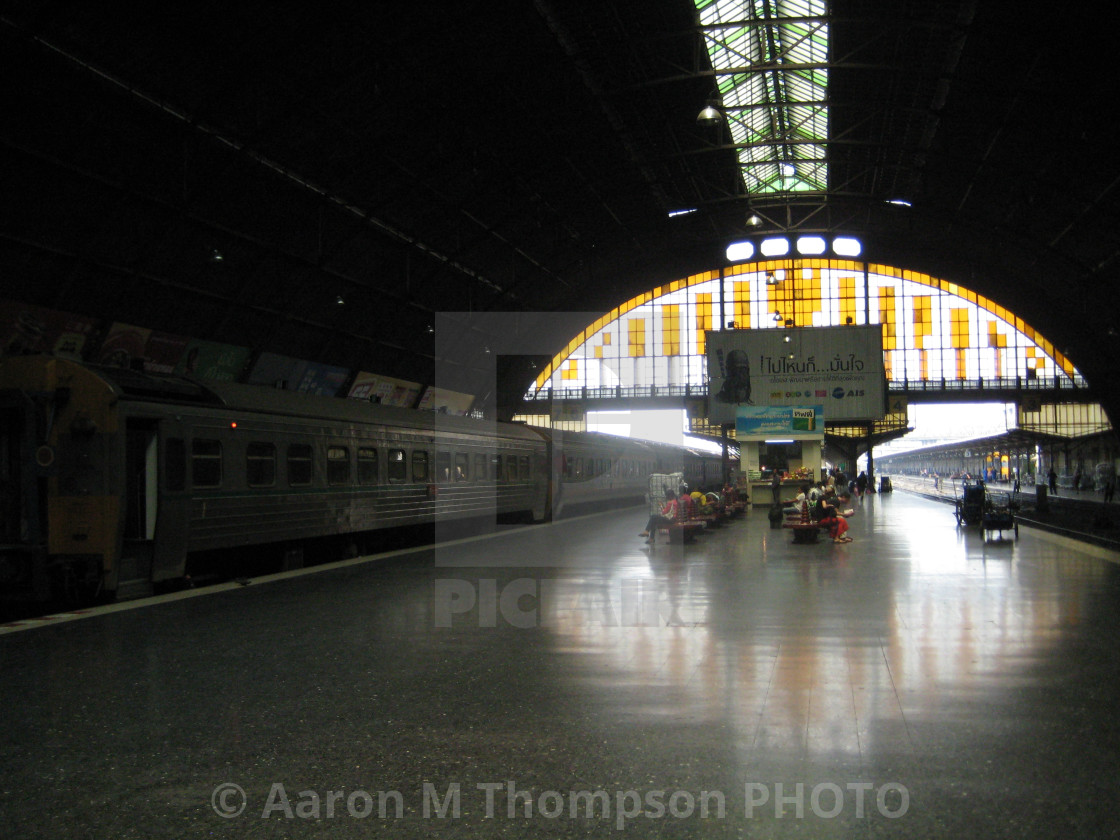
(777,317)
(771,280)
(710,115)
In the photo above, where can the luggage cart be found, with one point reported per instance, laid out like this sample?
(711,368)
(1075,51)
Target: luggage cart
(999,514)
(970,505)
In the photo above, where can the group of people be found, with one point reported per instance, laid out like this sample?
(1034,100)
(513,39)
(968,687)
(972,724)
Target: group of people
(826,501)
(826,507)
(683,505)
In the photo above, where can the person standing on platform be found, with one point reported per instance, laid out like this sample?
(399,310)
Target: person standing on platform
(1052,479)
(776,486)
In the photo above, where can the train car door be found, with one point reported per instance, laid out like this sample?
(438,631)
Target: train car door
(140,507)
(12,521)
(22,544)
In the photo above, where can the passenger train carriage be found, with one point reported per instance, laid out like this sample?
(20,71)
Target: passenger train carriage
(112,481)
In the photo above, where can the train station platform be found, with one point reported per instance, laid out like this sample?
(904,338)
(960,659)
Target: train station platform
(567,680)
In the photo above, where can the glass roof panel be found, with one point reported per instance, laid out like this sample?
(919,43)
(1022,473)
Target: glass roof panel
(771,63)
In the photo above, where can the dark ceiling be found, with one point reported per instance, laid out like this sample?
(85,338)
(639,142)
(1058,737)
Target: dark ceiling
(523,157)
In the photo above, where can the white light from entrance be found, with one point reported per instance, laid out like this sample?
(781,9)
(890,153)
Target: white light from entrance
(740,251)
(811,245)
(774,247)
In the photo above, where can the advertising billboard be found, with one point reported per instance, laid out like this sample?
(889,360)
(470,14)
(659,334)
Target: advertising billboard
(764,422)
(839,368)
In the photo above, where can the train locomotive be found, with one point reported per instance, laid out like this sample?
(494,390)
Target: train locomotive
(114,482)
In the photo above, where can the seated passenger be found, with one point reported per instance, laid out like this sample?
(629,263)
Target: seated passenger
(668,513)
(830,516)
(700,503)
(794,507)
(687,506)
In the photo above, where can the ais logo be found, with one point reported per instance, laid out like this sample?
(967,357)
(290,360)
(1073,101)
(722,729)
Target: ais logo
(839,393)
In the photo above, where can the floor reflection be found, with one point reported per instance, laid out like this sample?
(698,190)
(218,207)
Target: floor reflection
(824,651)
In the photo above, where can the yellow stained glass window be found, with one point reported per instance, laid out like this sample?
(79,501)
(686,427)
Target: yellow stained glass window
(671,330)
(887,319)
(703,319)
(958,328)
(637,338)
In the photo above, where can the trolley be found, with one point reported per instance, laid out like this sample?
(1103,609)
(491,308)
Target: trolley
(970,505)
(999,514)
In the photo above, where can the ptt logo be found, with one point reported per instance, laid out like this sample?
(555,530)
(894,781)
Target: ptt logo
(838,393)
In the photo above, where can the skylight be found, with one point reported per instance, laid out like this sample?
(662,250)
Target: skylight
(771,64)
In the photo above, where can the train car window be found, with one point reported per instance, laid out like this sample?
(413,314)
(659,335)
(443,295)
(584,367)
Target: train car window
(398,467)
(338,465)
(260,465)
(480,467)
(511,467)
(299,464)
(419,465)
(367,465)
(523,470)
(206,463)
(443,467)
(495,467)
(462,466)
(175,463)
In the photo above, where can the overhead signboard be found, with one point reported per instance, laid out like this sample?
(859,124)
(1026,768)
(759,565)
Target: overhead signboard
(27,329)
(385,390)
(758,422)
(840,368)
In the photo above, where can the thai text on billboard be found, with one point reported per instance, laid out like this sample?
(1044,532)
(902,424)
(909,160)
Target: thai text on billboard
(840,368)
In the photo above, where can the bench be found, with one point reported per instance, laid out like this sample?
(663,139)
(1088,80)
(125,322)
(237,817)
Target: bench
(805,529)
(711,520)
(684,529)
(805,532)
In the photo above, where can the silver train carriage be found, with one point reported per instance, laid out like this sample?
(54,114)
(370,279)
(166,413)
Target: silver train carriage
(113,482)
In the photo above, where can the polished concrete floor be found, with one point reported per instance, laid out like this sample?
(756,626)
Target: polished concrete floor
(919,682)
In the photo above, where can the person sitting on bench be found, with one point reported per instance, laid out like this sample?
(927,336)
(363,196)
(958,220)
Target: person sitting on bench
(668,514)
(830,516)
(794,507)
